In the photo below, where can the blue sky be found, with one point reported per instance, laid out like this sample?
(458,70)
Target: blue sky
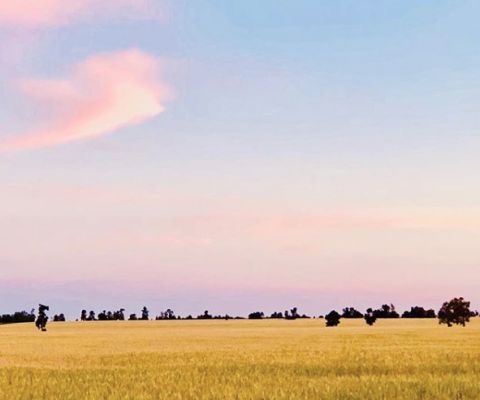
(303,144)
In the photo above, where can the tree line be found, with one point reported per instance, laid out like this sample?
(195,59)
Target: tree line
(455,311)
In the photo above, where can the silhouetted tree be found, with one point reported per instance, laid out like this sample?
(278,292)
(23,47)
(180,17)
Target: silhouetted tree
(386,311)
(256,315)
(369,317)
(350,312)
(133,317)
(167,314)
(419,312)
(455,311)
(91,316)
(144,313)
(42,318)
(59,318)
(293,314)
(119,315)
(332,318)
(276,315)
(205,315)
(18,317)
(83,315)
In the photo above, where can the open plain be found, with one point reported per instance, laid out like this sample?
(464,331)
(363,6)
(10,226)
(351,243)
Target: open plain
(240,359)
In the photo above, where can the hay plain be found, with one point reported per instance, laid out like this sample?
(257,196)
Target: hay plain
(240,359)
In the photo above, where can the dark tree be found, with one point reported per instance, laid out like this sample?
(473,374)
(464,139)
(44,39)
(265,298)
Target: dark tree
(167,314)
(18,317)
(83,315)
(205,315)
(332,318)
(133,317)
(419,312)
(276,315)
(144,313)
(119,315)
(350,312)
(42,318)
(369,317)
(59,318)
(293,314)
(386,311)
(256,315)
(91,316)
(456,311)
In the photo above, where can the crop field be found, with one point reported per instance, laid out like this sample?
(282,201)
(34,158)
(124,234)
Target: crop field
(270,359)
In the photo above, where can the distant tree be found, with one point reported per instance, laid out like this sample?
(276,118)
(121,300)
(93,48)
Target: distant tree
(332,318)
(456,311)
(256,315)
(91,316)
(293,314)
(369,317)
(225,317)
(42,318)
(167,314)
(83,315)
(18,317)
(276,315)
(386,311)
(144,313)
(419,312)
(133,317)
(119,315)
(205,315)
(350,312)
(59,318)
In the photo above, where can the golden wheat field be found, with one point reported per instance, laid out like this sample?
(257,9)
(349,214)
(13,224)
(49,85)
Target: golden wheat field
(274,359)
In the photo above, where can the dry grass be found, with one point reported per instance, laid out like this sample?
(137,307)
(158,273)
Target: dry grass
(403,359)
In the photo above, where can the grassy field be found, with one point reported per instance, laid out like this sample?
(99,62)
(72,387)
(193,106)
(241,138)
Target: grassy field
(402,359)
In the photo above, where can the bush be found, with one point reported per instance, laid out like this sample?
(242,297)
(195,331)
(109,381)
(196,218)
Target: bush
(370,318)
(332,318)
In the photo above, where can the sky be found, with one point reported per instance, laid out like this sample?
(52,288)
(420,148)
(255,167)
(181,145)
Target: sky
(238,156)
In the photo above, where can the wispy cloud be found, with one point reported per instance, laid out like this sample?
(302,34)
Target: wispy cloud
(32,14)
(102,94)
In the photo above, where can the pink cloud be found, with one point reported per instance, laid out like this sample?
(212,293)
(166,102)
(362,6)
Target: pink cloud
(102,94)
(50,13)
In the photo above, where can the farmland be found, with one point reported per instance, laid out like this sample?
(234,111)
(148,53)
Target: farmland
(268,359)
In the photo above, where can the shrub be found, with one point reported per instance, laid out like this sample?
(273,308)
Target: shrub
(332,318)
